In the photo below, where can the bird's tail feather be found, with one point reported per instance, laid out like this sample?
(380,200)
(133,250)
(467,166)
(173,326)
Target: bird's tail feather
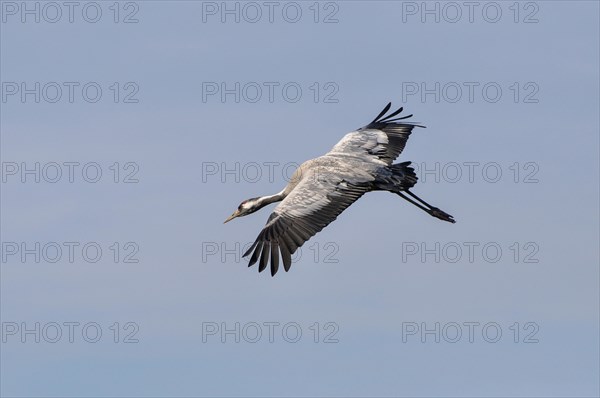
(397,177)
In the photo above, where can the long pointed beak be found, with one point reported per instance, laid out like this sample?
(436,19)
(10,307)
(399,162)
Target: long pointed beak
(231,217)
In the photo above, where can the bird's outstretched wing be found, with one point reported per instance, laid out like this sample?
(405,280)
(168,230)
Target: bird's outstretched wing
(315,202)
(384,138)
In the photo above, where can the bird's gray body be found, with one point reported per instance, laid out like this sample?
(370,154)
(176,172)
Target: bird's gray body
(321,188)
(349,163)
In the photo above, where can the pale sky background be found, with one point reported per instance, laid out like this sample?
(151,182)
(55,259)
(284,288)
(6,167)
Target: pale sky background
(374,289)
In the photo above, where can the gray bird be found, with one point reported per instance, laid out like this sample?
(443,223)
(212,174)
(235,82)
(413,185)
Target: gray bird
(321,188)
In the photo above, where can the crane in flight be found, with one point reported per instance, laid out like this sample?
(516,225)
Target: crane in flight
(321,188)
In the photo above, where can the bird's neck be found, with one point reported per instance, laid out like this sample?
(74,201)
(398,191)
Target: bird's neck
(265,200)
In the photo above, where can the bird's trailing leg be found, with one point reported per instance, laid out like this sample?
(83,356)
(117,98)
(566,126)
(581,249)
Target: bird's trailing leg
(431,210)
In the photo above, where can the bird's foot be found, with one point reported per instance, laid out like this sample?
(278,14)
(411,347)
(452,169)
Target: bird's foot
(442,215)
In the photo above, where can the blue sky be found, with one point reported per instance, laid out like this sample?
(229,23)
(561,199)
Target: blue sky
(511,150)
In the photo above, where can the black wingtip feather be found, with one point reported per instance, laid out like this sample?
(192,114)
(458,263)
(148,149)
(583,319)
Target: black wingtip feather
(398,118)
(274,258)
(381,120)
(392,115)
(383,112)
(264,257)
(250,249)
(254,257)
(287,258)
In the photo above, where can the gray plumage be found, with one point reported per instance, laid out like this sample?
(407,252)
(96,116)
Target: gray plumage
(322,188)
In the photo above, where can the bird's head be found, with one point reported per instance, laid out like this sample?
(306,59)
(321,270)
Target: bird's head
(248,206)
